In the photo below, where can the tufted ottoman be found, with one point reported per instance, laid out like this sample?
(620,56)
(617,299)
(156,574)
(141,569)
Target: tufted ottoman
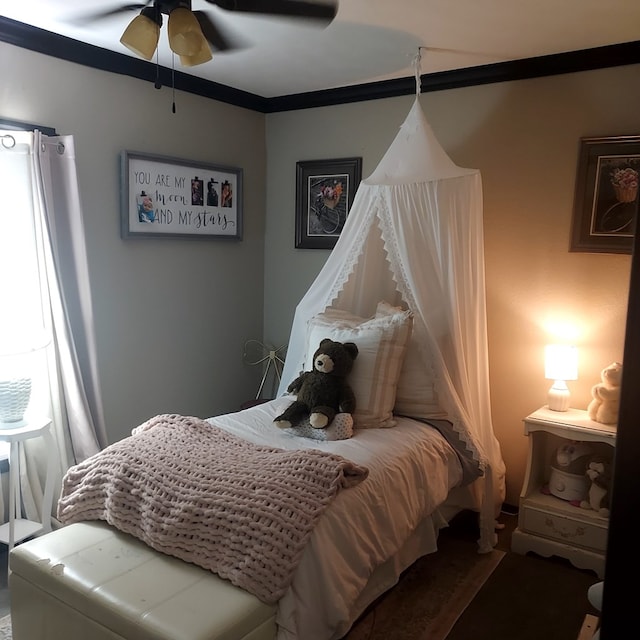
(89,581)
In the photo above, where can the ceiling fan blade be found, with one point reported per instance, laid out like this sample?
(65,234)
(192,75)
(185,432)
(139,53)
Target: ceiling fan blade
(214,35)
(100,15)
(291,8)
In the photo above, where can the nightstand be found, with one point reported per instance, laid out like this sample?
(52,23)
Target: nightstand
(18,528)
(548,525)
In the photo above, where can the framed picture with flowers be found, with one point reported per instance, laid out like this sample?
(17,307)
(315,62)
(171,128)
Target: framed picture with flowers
(606,198)
(324,194)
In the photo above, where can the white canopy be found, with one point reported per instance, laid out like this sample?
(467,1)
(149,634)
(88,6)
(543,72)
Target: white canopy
(414,237)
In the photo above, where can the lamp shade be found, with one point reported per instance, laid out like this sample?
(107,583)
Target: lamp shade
(560,362)
(185,35)
(142,34)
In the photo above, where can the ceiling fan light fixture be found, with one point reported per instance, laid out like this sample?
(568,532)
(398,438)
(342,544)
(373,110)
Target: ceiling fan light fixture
(143,32)
(202,56)
(185,34)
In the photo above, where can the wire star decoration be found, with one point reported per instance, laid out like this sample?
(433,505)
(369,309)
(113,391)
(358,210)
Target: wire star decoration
(257,353)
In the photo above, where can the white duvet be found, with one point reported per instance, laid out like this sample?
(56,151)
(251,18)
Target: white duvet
(411,470)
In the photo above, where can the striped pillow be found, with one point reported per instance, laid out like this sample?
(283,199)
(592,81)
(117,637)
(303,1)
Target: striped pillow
(415,394)
(382,344)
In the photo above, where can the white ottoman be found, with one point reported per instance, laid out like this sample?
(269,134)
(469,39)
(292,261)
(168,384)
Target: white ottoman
(89,581)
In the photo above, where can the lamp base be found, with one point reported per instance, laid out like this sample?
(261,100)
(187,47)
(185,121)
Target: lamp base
(558,398)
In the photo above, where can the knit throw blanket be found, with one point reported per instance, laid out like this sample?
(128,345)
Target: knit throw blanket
(191,490)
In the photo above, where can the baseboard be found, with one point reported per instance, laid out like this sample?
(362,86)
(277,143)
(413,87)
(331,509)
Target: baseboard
(509,509)
(589,627)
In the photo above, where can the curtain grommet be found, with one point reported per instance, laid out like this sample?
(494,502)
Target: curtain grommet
(8,141)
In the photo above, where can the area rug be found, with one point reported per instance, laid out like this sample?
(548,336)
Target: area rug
(5,628)
(430,596)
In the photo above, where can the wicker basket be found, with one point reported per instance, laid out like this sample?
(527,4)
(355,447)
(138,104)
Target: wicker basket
(14,399)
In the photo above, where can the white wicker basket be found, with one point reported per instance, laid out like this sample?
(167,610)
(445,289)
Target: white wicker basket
(14,400)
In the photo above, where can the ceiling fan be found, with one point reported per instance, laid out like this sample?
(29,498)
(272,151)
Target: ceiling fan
(193,33)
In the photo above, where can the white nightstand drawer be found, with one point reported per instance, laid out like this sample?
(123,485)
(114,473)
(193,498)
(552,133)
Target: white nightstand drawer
(572,531)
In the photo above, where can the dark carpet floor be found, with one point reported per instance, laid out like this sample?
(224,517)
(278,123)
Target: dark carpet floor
(526,597)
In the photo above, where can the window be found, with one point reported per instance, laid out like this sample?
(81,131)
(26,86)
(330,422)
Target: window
(23,321)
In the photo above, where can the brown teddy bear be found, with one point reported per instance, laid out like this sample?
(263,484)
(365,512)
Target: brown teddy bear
(606,395)
(322,392)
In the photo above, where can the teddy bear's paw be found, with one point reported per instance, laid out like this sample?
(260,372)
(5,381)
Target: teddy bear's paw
(282,424)
(318,420)
(585,504)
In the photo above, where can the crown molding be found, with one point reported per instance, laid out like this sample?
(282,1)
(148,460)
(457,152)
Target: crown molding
(571,62)
(52,44)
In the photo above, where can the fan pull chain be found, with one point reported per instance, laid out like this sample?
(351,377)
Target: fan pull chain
(158,84)
(173,81)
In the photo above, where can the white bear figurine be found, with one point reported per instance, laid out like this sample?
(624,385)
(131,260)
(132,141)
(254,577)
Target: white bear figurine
(606,395)
(599,473)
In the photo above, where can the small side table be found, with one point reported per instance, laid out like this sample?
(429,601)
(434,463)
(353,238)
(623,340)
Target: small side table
(18,528)
(548,525)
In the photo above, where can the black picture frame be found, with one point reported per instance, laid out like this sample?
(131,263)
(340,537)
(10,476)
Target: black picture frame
(325,190)
(164,197)
(606,198)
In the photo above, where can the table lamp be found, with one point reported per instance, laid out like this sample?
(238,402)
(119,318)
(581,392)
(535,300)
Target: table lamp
(560,365)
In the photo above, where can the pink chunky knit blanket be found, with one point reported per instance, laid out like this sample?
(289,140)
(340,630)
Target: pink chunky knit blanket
(190,489)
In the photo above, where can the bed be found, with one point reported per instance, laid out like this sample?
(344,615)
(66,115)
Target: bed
(367,535)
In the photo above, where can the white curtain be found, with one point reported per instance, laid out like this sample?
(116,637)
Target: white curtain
(414,235)
(38,189)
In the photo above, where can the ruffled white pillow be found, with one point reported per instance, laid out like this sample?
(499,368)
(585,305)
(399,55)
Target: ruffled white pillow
(382,343)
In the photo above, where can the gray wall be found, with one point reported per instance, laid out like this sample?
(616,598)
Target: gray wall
(171,315)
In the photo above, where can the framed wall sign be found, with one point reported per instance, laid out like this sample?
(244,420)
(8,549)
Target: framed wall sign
(163,197)
(324,194)
(606,201)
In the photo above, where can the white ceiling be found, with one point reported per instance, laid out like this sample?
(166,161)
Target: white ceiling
(369,41)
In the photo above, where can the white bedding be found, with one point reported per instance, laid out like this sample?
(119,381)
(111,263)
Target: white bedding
(411,470)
